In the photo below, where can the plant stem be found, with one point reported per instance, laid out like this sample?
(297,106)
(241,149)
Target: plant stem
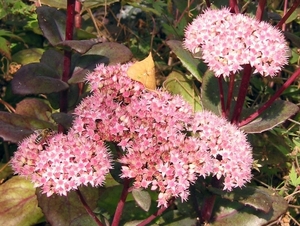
(158,213)
(209,202)
(207,208)
(88,209)
(221,95)
(287,15)
(272,99)
(63,101)
(242,93)
(234,8)
(229,95)
(260,9)
(121,204)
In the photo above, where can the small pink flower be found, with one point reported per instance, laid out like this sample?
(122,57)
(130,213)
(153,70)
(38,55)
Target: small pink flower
(229,41)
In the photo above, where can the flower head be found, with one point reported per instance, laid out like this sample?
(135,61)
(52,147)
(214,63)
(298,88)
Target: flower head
(154,130)
(64,163)
(229,41)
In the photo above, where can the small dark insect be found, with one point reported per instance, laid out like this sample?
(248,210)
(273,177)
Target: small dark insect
(43,135)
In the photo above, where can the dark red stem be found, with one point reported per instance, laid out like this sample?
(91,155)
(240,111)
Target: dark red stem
(77,15)
(272,99)
(234,8)
(207,3)
(287,15)
(230,93)
(221,95)
(260,9)
(88,209)
(63,104)
(155,215)
(209,202)
(207,208)
(242,93)
(121,204)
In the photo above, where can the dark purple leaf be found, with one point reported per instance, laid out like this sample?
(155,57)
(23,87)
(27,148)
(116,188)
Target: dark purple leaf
(37,78)
(68,210)
(276,114)
(253,206)
(52,23)
(35,108)
(53,59)
(108,52)
(15,127)
(85,64)
(80,46)
(64,119)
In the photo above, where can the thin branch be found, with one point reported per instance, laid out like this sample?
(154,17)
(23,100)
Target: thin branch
(242,93)
(221,95)
(158,213)
(121,204)
(260,9)
(272,99)
(88,209)
(287,15)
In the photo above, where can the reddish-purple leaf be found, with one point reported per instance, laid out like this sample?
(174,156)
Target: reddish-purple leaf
(80,46)
(37,78)
(35,108)
(108,52)
(68,210)
(276,114)
(15,128)
(52,23)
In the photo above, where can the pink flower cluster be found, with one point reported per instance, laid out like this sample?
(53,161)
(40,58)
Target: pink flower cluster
(155,129)
(62,162)
(228,41)
(165,145)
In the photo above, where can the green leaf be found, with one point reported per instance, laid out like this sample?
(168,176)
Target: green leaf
(177,83)
(175,218)
(59,4)
(4,49)
(195,66)
(210,94)
(294,178)
(27,56)
(142,198)
(19,205)
(96,3)
(276,114)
